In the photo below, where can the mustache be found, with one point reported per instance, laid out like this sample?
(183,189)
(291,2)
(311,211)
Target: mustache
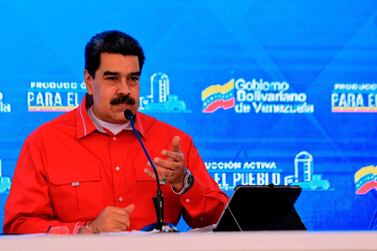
(122,99)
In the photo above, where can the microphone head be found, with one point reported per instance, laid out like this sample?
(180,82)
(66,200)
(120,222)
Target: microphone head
(128,114)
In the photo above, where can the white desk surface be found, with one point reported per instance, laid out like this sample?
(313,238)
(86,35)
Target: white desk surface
(261,241)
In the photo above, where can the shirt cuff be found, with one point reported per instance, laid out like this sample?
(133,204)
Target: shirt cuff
(78,225)
(67,228)
(194,195)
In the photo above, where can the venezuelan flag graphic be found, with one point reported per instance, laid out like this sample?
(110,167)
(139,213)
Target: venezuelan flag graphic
(366,179)
(215,97)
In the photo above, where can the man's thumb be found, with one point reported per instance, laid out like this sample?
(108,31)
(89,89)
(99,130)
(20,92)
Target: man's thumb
(176,144)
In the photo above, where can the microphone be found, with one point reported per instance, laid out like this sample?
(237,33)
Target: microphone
(158,200)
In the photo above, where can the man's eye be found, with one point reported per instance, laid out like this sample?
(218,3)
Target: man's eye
(111,78)
(134,78)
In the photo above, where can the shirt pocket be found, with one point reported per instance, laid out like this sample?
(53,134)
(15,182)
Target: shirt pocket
(76,194)
(172,205)
(147,188)
(145,179)
(148,184)
(144,182)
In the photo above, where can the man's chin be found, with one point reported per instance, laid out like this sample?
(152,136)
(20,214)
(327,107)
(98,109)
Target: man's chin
(120,117)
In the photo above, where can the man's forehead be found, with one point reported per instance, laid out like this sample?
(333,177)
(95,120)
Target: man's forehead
(118,63)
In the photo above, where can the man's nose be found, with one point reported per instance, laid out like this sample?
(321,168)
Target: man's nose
(123,86)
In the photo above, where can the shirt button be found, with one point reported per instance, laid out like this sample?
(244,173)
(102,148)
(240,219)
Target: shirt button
(114,138)
(188,201)
(117,168)
(120,198)
(201,218)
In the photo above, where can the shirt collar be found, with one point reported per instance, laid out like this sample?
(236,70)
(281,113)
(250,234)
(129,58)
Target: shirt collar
(103,126)
(86,125)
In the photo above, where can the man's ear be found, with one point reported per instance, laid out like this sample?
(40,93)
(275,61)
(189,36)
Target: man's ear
(88,82)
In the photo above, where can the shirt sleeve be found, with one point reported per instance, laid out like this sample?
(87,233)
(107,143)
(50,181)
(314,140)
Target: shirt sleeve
(28,208)
(204,201)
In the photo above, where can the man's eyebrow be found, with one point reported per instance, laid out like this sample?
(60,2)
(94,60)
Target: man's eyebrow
(107,73)
(112,73)
(136,73)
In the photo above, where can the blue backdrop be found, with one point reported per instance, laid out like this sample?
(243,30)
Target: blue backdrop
(281,92)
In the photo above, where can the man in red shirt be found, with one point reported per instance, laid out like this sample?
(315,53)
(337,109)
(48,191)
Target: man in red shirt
(86,167)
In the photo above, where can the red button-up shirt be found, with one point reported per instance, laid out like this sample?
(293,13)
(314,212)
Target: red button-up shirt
(68,172)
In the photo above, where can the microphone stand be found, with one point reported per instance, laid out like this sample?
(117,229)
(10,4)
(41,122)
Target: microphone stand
(158,200)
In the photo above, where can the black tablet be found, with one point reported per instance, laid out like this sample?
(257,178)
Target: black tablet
(261,208)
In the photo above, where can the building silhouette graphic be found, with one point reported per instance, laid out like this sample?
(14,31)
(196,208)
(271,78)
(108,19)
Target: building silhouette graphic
(304,175)
(160,100)
(5,182)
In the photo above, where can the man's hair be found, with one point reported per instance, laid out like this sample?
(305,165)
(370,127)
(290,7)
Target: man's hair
(111,42)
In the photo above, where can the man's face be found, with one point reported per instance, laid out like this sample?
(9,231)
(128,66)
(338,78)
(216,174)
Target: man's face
(115,87)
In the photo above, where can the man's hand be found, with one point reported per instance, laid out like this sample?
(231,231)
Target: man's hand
(112,219)
(172,167)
